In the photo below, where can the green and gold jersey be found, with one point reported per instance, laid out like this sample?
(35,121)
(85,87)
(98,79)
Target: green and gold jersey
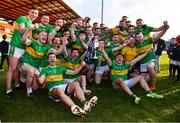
(16,39)
(34,53)
(106,38)
(129,53)
(78,45)
(48,28)
(53,76)
(112,54)
(70,42)
(72,64)
(119,71)
(101,60)
(116,31)
(44,61)
(77,31)
(145,31)
(60,32)
(144,47)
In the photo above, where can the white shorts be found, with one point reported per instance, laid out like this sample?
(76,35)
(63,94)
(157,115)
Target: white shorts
(24,65)
(62,87)
(144,67)
(15,51)
(102,69)
(70,80)
(128,82)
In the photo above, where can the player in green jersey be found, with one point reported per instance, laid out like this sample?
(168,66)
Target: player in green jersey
(35,50)
(57,43)
(119,76)
(77,27)
(146,30)
(57,29)
(106,36)
(101,66)
(89,33)
(17,48)
(80,43)
(53,76)
(148,64)
(72,62)
(88,56)
(43,25)
(115,47)
(66,34)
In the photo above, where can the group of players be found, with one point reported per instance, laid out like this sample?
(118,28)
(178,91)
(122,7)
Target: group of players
(84,54)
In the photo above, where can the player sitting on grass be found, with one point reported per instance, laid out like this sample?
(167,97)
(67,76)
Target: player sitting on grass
(119,76)
(72,62)
(53,76)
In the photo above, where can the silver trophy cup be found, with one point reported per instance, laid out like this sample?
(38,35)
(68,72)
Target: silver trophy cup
(96,46)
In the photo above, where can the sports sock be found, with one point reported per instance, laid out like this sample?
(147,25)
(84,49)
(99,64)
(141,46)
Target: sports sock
(29,90)
(18,85)
(84,88)
(133,96)
(149,92)
(83,102)
(8,91)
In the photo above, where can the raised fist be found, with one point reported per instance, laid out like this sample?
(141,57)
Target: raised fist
(31,27)
(64,41)
(57,28)
(36,25)
(74,25)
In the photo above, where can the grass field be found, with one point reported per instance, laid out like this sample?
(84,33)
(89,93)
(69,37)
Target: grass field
(113,106)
